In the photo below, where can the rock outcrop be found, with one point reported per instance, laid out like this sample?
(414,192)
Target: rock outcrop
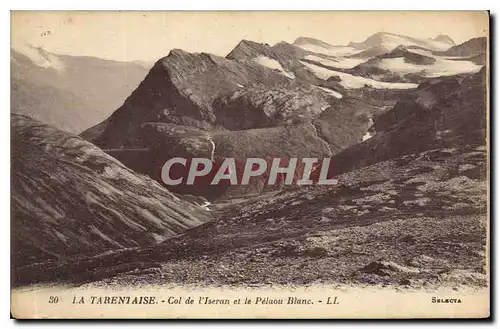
(258,107)
(263,95)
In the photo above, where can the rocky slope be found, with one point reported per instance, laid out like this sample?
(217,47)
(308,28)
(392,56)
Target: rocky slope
(224,104)
(67,91)
(70,198)
(413,221)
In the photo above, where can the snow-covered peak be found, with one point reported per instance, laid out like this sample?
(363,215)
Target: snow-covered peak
(330,51)
(301,41)
(390,41)
(40,57)
(350,81)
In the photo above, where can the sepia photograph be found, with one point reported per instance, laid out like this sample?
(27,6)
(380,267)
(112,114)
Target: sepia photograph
(250,164)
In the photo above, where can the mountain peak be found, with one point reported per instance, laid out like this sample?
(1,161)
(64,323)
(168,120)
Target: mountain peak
(177,52)
(184,58)
(391,40)
(311,41)
(381,33)
(249,42)
(444,38)
(247,49)
(39,56)
(472,47)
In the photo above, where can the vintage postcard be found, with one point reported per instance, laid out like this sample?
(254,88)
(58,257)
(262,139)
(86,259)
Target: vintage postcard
(329,165)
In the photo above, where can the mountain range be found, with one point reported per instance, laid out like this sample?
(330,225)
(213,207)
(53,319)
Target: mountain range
(403,118)
(67,91)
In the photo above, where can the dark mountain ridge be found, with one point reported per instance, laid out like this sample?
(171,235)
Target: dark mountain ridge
(470,48)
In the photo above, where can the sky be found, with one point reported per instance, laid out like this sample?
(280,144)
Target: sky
(148,36)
